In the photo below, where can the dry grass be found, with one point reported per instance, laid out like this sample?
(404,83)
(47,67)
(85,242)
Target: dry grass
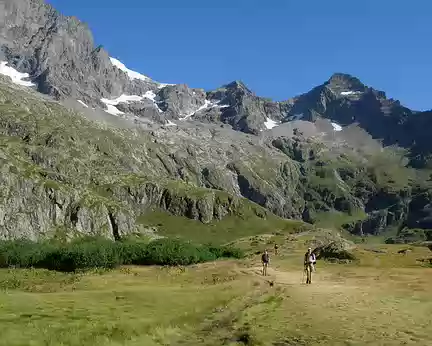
(384,299)
(145,306)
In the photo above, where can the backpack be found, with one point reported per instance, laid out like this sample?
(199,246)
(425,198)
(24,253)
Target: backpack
(307,257)
(314,258)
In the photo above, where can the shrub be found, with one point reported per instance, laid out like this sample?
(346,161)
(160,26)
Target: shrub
(82,255)
(408,235)
(87,253)
(226,252)
(175,252)
(132,252)
(23,253)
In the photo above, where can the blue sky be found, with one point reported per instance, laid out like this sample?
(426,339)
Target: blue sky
(279,48)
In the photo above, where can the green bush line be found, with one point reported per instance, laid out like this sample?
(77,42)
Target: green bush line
(88,253)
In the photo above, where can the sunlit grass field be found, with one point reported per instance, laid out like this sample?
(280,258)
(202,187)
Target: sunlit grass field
(382,299)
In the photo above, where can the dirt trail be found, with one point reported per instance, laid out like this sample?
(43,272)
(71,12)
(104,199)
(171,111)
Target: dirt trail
(321,281)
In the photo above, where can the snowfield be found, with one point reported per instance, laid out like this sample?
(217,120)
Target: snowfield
(111,104)
(82,103)
(336,127)
(135,75)
(207,104)
(130,73)
(269,123)
(17,77)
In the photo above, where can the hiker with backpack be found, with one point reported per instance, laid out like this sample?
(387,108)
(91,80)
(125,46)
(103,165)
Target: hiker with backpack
(265,258)
(309,265)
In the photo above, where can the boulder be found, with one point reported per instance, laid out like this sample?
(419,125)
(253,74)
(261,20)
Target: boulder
(336,250)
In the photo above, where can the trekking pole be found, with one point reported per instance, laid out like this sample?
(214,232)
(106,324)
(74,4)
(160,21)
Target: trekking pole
(303,276)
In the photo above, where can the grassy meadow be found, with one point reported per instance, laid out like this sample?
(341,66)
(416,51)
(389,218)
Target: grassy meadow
(382,299)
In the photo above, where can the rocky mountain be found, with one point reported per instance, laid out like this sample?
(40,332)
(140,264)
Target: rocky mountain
(91,146)
(344,100)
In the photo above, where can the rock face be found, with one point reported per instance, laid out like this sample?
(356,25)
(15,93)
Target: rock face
(345,100)
(59,54)
(34,209)
(336,250)
(64,173)
(194,153)
(179,101)
(247,112)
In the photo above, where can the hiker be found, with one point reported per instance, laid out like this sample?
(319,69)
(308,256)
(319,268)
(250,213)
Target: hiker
(265,258)
(276,249)
(309,262)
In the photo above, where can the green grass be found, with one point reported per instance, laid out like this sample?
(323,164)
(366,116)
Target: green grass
(154,306)
(335,219)
(220,232)
(370,239)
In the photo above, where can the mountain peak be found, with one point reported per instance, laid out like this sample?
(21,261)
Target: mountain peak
(344,80)
(237,84)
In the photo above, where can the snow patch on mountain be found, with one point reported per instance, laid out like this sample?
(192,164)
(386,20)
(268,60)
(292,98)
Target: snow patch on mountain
(133,74)
(82,103)
(129,98)
(111,104)
(163,85)
(130,73)
(269,123)
(216,103)
(336,127)
(17,77)
(207,105)
(123,99)
(347,93)
(113,110)
(152,96)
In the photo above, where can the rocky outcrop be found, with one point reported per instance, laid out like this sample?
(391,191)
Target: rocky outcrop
(375,224)
(31,209)
(179,101)
(410,236)
(246,112)
(340,249)
(345,100)
(34,209)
